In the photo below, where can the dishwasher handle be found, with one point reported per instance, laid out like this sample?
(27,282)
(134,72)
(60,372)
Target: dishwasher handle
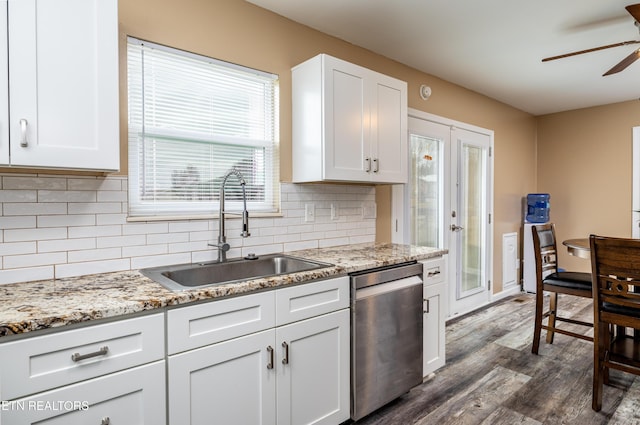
(385,274)
(384,288)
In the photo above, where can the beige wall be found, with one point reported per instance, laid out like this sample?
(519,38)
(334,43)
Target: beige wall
(239,32)
(584,162)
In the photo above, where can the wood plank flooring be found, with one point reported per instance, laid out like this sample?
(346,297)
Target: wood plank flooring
(491,377)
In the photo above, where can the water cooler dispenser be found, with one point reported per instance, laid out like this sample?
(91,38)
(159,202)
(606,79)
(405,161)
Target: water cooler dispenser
(536,212)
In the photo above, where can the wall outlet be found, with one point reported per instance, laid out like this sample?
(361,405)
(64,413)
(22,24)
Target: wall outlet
(309,212)
(369,210)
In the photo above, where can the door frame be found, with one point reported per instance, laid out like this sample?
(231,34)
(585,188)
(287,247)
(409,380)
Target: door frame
(399,231)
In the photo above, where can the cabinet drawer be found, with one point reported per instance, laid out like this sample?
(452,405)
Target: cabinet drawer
(311,299)
(434,271)
(204,324)
(134,396)
(44,362)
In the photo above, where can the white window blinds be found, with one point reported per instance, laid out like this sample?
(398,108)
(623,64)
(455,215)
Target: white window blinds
(192,119)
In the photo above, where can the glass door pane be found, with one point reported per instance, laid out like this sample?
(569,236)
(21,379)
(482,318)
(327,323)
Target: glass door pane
(426,191)
(472,213)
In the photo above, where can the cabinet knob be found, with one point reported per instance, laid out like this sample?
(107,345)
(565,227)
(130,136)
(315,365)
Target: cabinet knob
(23,133)
(105,421)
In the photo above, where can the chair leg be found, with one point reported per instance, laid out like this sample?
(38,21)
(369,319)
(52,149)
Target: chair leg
(553,308)
(537,328)
(599,370)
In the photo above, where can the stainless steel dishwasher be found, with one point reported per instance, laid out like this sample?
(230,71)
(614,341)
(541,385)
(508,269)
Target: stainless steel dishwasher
(386,335)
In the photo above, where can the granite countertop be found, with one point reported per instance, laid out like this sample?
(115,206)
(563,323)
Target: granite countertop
(30,306)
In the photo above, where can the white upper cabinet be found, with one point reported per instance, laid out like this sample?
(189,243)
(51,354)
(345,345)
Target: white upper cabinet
(4,87)
(63,84)
(349,123)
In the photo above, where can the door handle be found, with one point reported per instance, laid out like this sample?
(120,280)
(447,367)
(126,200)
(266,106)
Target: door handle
(376,167)
(367,167)
(455,228)
(286,353)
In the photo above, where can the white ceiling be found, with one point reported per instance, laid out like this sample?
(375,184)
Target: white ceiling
(493,47)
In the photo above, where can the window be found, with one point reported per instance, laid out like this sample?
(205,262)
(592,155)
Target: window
(191,120)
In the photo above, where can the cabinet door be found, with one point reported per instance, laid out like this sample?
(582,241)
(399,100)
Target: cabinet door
(346,119)
(134,397)
(63,68)
(389,130)
(433,328)
(4,86)
(226,383)
(313,370)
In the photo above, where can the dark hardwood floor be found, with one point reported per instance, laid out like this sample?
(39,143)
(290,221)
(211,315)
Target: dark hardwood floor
(491,377)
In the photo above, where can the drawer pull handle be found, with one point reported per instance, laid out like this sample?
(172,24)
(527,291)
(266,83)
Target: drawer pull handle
(105,421)
(286,353)
(427,310)
(76,357)
(270,351)
(431,274)
(23,133)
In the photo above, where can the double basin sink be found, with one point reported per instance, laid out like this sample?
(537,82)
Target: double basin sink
(190,276)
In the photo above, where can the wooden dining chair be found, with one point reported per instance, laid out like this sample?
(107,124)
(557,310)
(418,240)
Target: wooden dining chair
(615,266)
(549,279)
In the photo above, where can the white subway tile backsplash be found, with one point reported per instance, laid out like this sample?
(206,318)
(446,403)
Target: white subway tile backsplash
(67,196)
(66,245)
(33,260)
(34,183)
(26,274)
(17,222)
(113,241)
(16,248)
(21,235)
(94,254)
(95,207)
(18,196)
(91,267)
(94,231)
(66,220)
(73,225)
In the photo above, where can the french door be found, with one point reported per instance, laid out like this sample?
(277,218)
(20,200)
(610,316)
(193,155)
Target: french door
(448,203)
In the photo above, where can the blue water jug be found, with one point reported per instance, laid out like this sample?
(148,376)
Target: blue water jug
(538,207)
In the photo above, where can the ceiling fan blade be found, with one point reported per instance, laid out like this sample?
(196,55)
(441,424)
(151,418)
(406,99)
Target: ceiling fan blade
(634,10)
(594,49)
(634,56)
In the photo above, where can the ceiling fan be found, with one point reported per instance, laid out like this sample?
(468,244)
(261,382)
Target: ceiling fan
(634,10)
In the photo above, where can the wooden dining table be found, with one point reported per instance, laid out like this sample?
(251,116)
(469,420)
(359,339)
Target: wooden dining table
(578,247)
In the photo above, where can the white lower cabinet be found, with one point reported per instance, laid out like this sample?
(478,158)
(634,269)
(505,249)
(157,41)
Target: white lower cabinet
(434,307)
(224,383)
(295,373)
(313,373)
(132,397)
(110,373)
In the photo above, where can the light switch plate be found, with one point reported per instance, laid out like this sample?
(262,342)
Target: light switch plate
(309,212)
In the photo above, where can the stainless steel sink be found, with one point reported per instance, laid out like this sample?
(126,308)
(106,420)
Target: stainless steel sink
(187,276)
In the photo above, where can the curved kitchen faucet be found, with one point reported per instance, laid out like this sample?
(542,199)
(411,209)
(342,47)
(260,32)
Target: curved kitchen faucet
(222,244)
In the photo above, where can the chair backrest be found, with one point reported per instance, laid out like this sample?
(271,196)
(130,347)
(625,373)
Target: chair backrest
(545,250)
(615,265)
